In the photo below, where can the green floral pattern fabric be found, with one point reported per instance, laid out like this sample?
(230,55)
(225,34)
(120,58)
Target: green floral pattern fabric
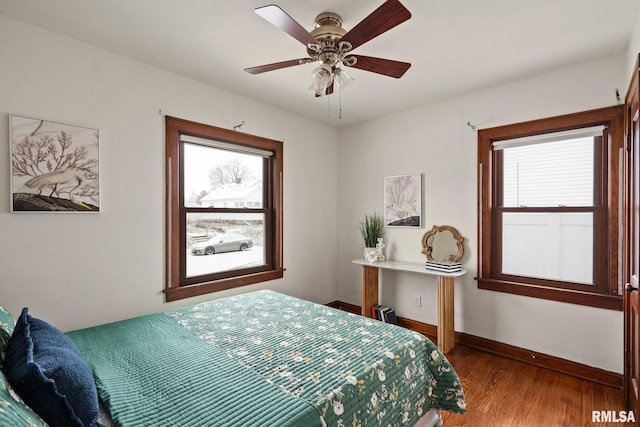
(356,371)
(13,411)
(7,323)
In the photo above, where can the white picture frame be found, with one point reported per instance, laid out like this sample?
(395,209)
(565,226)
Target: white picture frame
(54,166)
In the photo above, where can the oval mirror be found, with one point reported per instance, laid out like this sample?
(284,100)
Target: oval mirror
(443,244)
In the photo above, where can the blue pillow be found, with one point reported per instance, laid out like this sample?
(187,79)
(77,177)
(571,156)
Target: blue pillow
(47,370)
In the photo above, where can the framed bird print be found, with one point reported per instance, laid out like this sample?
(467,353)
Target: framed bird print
(54,166)
(403,201)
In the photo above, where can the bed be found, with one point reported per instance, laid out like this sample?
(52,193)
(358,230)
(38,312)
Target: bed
(257,359)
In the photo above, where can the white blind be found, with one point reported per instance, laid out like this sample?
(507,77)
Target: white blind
(225,145)
(549,137)
(552,174)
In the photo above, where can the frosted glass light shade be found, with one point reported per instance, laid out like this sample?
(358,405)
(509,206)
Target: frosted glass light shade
(322,79)
(342,79)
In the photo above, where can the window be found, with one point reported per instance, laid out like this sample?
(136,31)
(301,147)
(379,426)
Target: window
(223,209)
(550,215)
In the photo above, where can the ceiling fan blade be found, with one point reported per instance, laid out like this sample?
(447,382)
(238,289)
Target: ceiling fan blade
(277,65)
(384,18)
(282,20)
(383,66)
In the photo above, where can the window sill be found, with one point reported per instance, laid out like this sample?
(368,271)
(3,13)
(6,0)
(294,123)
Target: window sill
(609,302)
(177,293)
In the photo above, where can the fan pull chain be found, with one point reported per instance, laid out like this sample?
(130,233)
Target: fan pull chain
(340,107)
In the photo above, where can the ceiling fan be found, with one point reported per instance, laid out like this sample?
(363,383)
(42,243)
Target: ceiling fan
(331,45)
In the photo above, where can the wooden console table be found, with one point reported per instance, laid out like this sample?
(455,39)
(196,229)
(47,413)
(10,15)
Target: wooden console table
(370,270)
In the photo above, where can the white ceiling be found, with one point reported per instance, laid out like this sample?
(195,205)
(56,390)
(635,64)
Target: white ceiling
(454,46)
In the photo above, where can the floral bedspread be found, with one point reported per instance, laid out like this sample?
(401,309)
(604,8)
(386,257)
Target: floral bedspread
(356,371)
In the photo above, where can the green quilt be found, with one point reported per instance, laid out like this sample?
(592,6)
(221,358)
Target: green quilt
(266,359)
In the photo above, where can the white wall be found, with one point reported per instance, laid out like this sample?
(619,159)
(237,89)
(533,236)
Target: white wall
(77,270)
(634,49)
(435,140)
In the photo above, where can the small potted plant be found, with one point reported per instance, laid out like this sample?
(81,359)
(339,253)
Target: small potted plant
(371,230)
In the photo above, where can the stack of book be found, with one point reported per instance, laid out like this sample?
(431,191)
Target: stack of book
(445,267)
(384,314)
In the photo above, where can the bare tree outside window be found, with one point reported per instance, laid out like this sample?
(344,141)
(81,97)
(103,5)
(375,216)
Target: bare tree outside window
(234,171)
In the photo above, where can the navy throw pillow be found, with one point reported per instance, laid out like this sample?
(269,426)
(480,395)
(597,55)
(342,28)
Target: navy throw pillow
(48,372)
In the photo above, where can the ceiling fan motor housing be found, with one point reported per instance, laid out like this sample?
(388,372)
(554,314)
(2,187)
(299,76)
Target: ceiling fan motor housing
(328,31)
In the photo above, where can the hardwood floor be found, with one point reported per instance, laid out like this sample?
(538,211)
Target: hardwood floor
(505,392)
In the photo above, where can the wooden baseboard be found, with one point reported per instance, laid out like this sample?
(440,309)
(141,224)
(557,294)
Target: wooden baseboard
(596,375)
(590,373)
(345,306)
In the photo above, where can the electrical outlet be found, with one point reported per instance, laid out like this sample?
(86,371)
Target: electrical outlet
(417,301)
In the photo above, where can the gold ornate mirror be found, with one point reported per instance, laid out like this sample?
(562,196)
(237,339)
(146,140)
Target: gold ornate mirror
(443,244)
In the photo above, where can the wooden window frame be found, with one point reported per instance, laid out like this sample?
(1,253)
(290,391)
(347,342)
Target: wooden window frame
(178,285)
(605,293)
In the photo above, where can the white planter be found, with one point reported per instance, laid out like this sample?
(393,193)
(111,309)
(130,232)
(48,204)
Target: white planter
(371,254)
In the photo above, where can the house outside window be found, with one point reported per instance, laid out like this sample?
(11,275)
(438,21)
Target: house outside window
(550,212)
(224,215)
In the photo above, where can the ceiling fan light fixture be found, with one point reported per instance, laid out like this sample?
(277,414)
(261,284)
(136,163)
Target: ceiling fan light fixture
(322,79)
(342,79)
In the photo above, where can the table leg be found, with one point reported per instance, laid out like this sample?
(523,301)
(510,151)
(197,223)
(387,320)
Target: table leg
(446,331)
(369,289)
